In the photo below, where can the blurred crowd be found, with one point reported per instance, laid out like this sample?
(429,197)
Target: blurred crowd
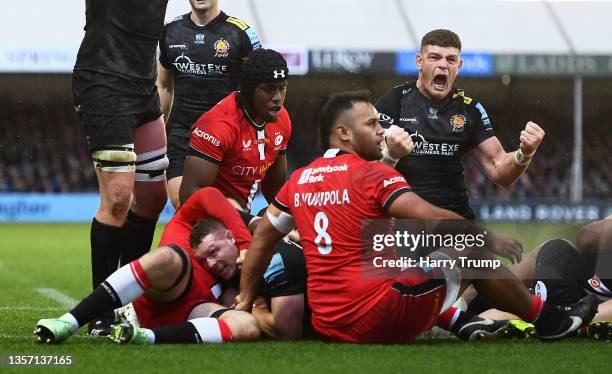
(43,150)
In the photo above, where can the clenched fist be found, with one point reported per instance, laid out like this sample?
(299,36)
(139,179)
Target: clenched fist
(398,141)
(530,138)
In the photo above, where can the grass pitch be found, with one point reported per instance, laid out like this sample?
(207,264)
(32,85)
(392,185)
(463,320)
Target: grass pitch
(37,260)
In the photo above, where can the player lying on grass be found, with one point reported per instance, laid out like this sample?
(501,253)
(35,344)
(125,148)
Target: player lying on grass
(562,274)
(172,285)
(349,307)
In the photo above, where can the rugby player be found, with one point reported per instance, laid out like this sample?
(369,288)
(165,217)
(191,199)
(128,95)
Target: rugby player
(179,285)
(200,57)
(348,306)
(445,125)
(114,92)
(562,274)
(239,145)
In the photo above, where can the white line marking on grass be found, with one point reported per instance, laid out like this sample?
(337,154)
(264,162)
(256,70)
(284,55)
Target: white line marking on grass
(57,296)
(31,308)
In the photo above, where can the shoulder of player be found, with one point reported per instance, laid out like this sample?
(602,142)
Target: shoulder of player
(458,95)
(236,23)
(174,22)
(396,91)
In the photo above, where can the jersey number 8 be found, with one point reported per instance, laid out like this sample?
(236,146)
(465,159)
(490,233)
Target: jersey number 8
(320,226)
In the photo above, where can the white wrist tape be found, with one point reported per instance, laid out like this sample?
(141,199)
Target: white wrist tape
(387,158)
(522,159)
(283,223)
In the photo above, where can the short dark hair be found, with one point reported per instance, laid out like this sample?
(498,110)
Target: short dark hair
(202,228)
(336,104)
(441,38)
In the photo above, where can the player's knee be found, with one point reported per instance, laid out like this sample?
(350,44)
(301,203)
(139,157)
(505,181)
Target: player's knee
(243,325)
(118,200)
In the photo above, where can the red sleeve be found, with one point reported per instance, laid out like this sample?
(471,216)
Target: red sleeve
(210,138)
(210,202)
(384,183)
(281,201)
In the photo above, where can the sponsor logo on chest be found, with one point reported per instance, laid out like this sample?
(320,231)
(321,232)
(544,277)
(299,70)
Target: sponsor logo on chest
(423,147)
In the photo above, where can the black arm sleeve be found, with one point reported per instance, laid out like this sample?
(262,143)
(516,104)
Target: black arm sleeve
(163,51)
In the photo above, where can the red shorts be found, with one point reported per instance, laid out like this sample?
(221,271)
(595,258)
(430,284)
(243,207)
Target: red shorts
(203,288)
(406,311)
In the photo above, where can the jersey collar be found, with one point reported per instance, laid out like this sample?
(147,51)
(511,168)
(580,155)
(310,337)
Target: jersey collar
(333,152)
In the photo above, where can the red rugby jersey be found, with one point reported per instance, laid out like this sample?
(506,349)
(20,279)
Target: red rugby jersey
(244,152)
(206,202)
(328,200)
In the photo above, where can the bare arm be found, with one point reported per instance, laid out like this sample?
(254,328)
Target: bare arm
(411,205)
(504,168)
(257,259)
(286,318)
(165,89)
(197,173)
(275,178)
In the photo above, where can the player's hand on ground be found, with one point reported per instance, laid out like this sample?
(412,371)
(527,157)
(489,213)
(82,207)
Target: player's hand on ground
(506,246)
(530,138)
(240,259)
(399,143)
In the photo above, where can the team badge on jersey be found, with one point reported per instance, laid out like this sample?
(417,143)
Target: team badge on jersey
(221,48)
(199,39)
(458,122)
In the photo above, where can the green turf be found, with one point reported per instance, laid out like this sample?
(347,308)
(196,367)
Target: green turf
(57,256)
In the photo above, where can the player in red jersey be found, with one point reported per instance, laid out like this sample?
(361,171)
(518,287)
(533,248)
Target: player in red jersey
(239,145)
(327,201)
(175,297)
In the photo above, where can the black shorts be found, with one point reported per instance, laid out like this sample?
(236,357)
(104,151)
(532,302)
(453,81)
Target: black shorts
(110,107)
(178,145)
(557,277)
(286,274)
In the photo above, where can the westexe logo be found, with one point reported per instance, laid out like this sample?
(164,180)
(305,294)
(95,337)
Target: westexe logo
(393,180)
(184,64)
(206,136)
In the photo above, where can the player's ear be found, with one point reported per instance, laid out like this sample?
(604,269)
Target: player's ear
(230,236)
(343,132)
(419,60)
(460,63)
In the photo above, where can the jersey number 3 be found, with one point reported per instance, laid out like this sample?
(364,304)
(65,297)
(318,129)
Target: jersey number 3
(320,226)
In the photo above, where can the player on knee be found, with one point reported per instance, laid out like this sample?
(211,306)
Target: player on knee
(217,43)
(348,306)
(118,107)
